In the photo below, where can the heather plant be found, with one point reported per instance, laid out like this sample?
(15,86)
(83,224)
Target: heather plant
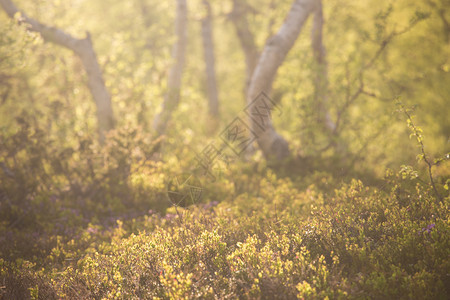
(360,240)
(48,191)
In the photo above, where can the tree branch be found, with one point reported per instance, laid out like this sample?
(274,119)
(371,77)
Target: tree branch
(84,50)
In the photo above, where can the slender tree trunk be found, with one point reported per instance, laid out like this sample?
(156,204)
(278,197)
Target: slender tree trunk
(208,49)
(84,50)
(97,87)
(172,97)
(273,145)
(246,39)
(321,68)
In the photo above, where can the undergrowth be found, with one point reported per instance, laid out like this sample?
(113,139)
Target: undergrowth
(95,221)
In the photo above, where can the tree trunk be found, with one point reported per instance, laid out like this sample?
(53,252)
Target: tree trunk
(172,97)
(246,38)
(208,49)
(273,145)
(321,74)
(82,48)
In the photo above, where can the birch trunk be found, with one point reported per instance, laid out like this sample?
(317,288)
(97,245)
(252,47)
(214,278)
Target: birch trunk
(84,50)
(273,145)
(321,76)
(172,97)
(208,51)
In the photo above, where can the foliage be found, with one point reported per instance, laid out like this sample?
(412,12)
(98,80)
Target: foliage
(48,191)
(281,243)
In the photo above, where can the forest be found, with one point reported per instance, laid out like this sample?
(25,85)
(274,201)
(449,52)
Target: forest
(224,149)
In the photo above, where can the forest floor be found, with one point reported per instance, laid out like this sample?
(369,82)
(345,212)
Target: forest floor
(257,236)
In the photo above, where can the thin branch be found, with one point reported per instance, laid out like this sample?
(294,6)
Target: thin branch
(351,98)
(425,158)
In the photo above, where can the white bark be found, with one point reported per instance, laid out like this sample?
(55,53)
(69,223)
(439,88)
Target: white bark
(82,48)
(208,51)
(321,76)
(273,145)
(172,97)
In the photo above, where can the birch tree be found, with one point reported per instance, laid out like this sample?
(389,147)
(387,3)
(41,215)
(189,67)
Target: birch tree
(83,48)
(246,38)
(272,144)
(172,97)
(321,68)
(208,52)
